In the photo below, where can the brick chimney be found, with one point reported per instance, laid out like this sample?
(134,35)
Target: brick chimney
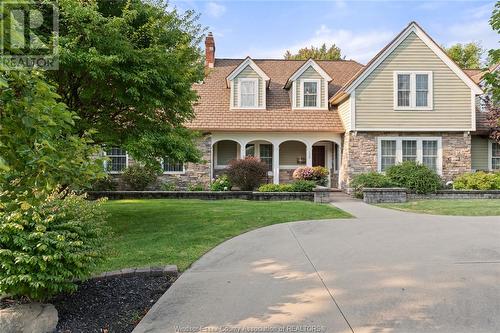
(209,51)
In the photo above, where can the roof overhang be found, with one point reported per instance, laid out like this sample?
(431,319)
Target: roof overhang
(247,62)
(303,68)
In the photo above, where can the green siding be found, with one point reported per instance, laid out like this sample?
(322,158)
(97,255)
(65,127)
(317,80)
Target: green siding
(248,72)
(344,110)
(309,73)
(375,95)
(479,153)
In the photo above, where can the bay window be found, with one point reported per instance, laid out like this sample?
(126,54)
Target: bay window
(413,90)
(424,150)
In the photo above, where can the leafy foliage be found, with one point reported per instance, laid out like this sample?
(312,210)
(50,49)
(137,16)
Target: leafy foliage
(168,186)
(317,53)
(466,55)
(317,174)
(139,177)
(45,247)
(221,183)
(247,173)
(196,187)
(416,177)
(296,186)
(104,184)
(477,181)
(369,180)
(127,68)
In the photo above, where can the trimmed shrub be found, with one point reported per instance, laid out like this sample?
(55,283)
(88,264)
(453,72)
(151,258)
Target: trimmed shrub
(416,177)
(196,187)
(168,186)
(247,173)
(221,183)
(104,184)
(477,181)
(276,188)
(317,174)
(45,247)
(139,177)
(303,186)
(369,180)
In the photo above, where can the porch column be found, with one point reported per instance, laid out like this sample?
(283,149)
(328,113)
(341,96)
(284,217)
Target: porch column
(309,155)
(243,150)
(276,163)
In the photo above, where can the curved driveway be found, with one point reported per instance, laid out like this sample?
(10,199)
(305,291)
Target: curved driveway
(384,271)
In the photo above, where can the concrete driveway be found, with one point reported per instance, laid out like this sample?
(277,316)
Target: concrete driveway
(385,271)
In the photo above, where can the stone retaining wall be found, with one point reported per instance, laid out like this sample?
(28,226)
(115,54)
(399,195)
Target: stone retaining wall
(395,195)
(203,195)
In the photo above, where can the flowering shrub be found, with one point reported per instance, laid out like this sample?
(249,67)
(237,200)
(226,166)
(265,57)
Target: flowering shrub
(317,174)
(221,183)
(247,173)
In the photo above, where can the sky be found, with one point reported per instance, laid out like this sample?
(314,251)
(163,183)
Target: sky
(266,29)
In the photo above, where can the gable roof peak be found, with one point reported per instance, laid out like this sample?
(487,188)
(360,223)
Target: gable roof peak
(308,63)
(247,62)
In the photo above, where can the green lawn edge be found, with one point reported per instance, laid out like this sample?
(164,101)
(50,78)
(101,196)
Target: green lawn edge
(155,232)
(455,207)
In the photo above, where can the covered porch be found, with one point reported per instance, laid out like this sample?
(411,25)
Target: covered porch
(282,152)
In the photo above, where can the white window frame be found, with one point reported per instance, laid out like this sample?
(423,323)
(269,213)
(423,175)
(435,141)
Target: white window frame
(173,172)
(490,156)
(256,98)
(106,162)
(399,150)
(318,94)
(413,91)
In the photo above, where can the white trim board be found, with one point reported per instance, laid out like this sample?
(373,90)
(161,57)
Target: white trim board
(247,62)
(413,27)
(304,67)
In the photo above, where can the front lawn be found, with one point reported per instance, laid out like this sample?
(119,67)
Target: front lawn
(166,231)
(477,207)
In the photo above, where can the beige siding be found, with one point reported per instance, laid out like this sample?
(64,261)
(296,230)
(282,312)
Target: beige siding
(248,72)
(374,96)
(309,73)
(344,111)
(290,151)
(479,153)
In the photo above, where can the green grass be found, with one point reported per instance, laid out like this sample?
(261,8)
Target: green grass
(159,232)
(477,207)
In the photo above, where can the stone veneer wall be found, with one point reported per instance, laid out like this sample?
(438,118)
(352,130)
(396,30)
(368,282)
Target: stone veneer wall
(359,153)
(195,173)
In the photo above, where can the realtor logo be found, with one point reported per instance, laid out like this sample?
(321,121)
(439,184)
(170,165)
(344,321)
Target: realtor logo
(29,34)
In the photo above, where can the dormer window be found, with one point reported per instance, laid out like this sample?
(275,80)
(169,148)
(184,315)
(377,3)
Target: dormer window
(413,90)
(311,93)
(248,88)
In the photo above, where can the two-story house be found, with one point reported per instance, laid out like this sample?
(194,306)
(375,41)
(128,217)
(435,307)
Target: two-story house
(410,102)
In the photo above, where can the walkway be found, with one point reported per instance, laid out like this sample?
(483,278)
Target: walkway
(385,271)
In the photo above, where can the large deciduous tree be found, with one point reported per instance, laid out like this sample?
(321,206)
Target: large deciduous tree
(466,55)
(492,79)
(317,53)
(127,68)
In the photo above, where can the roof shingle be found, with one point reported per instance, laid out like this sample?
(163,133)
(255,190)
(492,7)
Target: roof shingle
(212,111)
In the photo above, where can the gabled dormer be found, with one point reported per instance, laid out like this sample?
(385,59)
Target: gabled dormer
(248,84)
(309,87)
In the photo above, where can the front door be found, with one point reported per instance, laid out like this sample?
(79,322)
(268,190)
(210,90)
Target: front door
(318,158)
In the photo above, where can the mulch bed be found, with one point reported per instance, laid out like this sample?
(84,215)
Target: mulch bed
(113,304)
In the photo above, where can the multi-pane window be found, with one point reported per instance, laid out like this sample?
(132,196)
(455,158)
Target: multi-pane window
(117,160)
(266,155)
(404,90)
(248,93)
(311,92)
(170,165)
(409,150)
(495,156)
(413,90)
(430,154)
(422,89)
(387,154)
(250,150)
(423,150)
